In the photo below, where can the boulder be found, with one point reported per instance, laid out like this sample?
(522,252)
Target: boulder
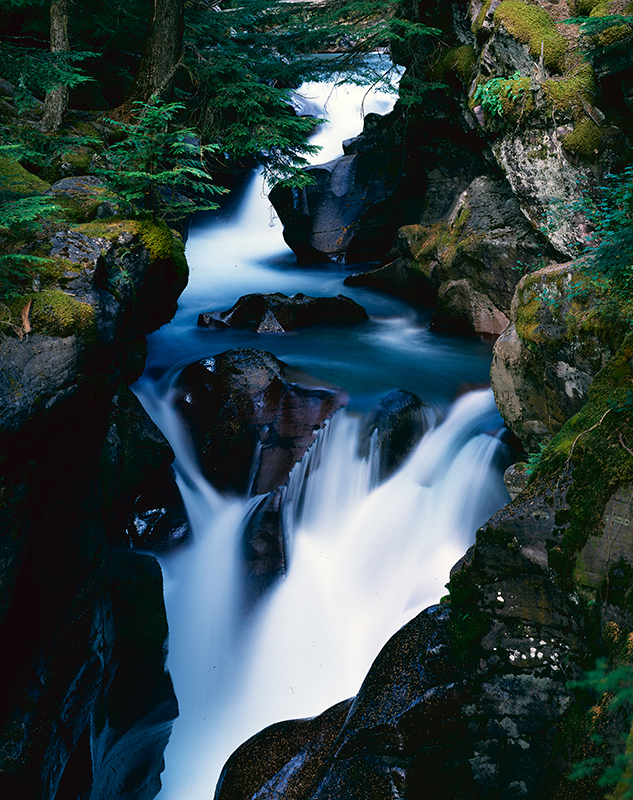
(393,428)
(252,417)
(546,360)
(462,309)
(276,312)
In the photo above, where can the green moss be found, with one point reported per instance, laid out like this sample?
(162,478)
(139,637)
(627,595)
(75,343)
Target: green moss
(583,8)
(460,60)
(572,92)
(533,26)
(584,141)
(16,181)
(56,313)
(478,23)
(592,447)
(157,238)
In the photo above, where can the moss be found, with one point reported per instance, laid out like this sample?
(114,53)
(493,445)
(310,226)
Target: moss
(157,238)
(56,313)
(583,8)
(584,141)
(592,445)
(460,60)
(16,181)
(533,26)
(571,92)
(478,23)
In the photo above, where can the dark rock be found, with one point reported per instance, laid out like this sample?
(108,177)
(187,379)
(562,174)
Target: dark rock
(283,760)
(252,417)
(401,278)
(275,313)
(462,309)
(398,423)
(159,520)
(135,452)
(264,543)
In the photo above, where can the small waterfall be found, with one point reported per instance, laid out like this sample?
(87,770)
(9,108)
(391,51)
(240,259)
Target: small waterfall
(364,558)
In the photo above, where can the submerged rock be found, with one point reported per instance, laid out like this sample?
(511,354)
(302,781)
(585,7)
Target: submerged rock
(252,417)
(276,312)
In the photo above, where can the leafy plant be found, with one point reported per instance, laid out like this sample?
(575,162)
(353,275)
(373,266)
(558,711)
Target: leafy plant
(491,95)
(157,168)
(614,688)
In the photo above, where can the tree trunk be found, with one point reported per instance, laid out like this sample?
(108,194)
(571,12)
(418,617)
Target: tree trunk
(56,101)
(161,56)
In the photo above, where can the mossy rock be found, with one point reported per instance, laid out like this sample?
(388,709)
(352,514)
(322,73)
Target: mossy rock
(594,447)
(571,92)
(533,26)
(15,181)
(460,60)
(56,313)
(584,141)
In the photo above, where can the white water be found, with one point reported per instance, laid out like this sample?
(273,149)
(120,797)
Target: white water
(364,558)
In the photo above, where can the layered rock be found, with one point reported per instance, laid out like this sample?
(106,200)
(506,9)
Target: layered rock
(252,417)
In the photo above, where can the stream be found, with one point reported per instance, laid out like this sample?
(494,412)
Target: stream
(364,556)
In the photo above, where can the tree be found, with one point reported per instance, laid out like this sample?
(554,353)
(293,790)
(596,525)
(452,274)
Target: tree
(56,101)
(161,54)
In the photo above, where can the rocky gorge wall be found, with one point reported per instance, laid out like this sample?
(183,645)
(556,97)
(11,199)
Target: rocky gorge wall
(86,705)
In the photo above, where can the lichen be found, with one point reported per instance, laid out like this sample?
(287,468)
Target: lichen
(533,26)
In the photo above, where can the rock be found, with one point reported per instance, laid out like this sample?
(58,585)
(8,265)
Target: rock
(135,452)
(545,362)
(461,309)
(84,197)
(515,479)
(264,542)
(276,312)
(158,521)
(284,759)
(394,427)
(400,277)
(252,417)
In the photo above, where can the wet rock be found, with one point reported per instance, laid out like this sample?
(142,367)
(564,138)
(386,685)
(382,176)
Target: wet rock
(515,479)
(264,544)
(276,312)
(158,521)
(134,453)
(252,417)
(399,278)
(394,427)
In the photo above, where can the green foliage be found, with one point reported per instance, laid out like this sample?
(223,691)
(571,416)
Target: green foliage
(495,95)
(614,688)
(34,72)
(157,168)
(604,36)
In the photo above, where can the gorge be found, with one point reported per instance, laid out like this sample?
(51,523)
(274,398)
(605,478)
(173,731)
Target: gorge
(467,203)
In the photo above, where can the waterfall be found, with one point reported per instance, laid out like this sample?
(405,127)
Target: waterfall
(364,555)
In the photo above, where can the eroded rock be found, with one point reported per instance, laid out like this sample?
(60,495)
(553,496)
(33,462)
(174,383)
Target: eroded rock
(252,417)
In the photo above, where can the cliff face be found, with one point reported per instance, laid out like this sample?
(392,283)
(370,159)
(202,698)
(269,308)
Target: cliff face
(86,704)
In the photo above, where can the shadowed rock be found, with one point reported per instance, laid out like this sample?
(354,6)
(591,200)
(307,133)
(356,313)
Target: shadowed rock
(276,312)
(159,520)
(398,422)
(252,417)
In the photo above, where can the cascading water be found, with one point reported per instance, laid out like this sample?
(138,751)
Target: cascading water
(364,556)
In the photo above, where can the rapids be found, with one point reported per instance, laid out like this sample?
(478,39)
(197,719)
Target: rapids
(364,556)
